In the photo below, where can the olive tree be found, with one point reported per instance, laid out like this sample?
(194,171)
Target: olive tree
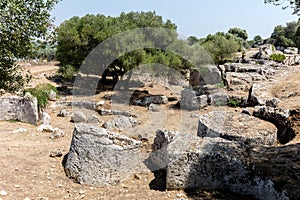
(20,21)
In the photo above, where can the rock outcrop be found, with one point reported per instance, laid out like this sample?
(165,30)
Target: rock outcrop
(238,127)
(101,158)
(23,109)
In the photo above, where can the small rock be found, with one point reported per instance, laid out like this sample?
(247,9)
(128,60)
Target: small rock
(56,153)
(81,192)
(52,95)
(45,128)
(57,133)
(100,103)
(154,108)
(27,198)
(63,113)
(78,117)
(17,186)
(20,130)
(46,119)
(3,193)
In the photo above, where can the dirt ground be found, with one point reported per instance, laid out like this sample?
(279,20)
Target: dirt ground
(27,170)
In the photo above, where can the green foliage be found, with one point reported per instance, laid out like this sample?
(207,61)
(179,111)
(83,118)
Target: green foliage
(67,72)
(285,36)
(13,120)
(278,57)
(221,46)
(293,4)
(41,92)
(233,103)
(240,33)
(77,37)
(20,21)
(220,85)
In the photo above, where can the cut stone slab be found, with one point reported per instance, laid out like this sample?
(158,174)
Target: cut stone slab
(101,158)
(217,164)
(24,109)
(237,127)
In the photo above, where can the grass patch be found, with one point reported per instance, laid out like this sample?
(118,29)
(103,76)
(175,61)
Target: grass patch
(41,92)
(234,103)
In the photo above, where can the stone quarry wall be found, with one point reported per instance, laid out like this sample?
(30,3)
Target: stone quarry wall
(24,109)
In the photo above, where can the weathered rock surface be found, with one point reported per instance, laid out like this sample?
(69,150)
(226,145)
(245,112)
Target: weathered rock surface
(280,118)
(154,108)
(237,127)
(101,158)
(218,164)
(78,104)
(120,123)
(78,117)
(46,119)
(104,112)
(218,98)
(260,95)
(24,109)
(147,100)
(191,101)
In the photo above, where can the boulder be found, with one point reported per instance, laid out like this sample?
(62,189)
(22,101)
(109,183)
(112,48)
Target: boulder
(279,117)
(101,158)
(237,127)
(218,164)
(218,99)
(24,109)
(189,100)
(264,51)
(260,95)
(78,117)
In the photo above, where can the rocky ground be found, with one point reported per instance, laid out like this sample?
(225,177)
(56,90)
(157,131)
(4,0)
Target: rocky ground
(29,172)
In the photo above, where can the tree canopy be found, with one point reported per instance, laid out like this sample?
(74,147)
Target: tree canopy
(20,21)
(77,37)
(221,46)
(285,36)
(294,4)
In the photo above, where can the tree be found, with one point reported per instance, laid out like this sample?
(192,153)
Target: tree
(192,40)
(221,46)
(257,40)
(294,4)
(284,36)
(77,37)
(240,33)
(20,21)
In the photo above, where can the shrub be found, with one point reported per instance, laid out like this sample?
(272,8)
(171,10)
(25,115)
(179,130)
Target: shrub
(41,92)
(277,57)
(67,72)
(233,103)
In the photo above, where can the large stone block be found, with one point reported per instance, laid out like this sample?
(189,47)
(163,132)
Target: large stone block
(217,164)
(24,109)
(101,158)
(237,127)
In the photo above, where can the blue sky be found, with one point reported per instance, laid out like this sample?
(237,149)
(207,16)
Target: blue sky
(192,17)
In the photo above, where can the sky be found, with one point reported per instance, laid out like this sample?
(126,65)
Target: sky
(192,17)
